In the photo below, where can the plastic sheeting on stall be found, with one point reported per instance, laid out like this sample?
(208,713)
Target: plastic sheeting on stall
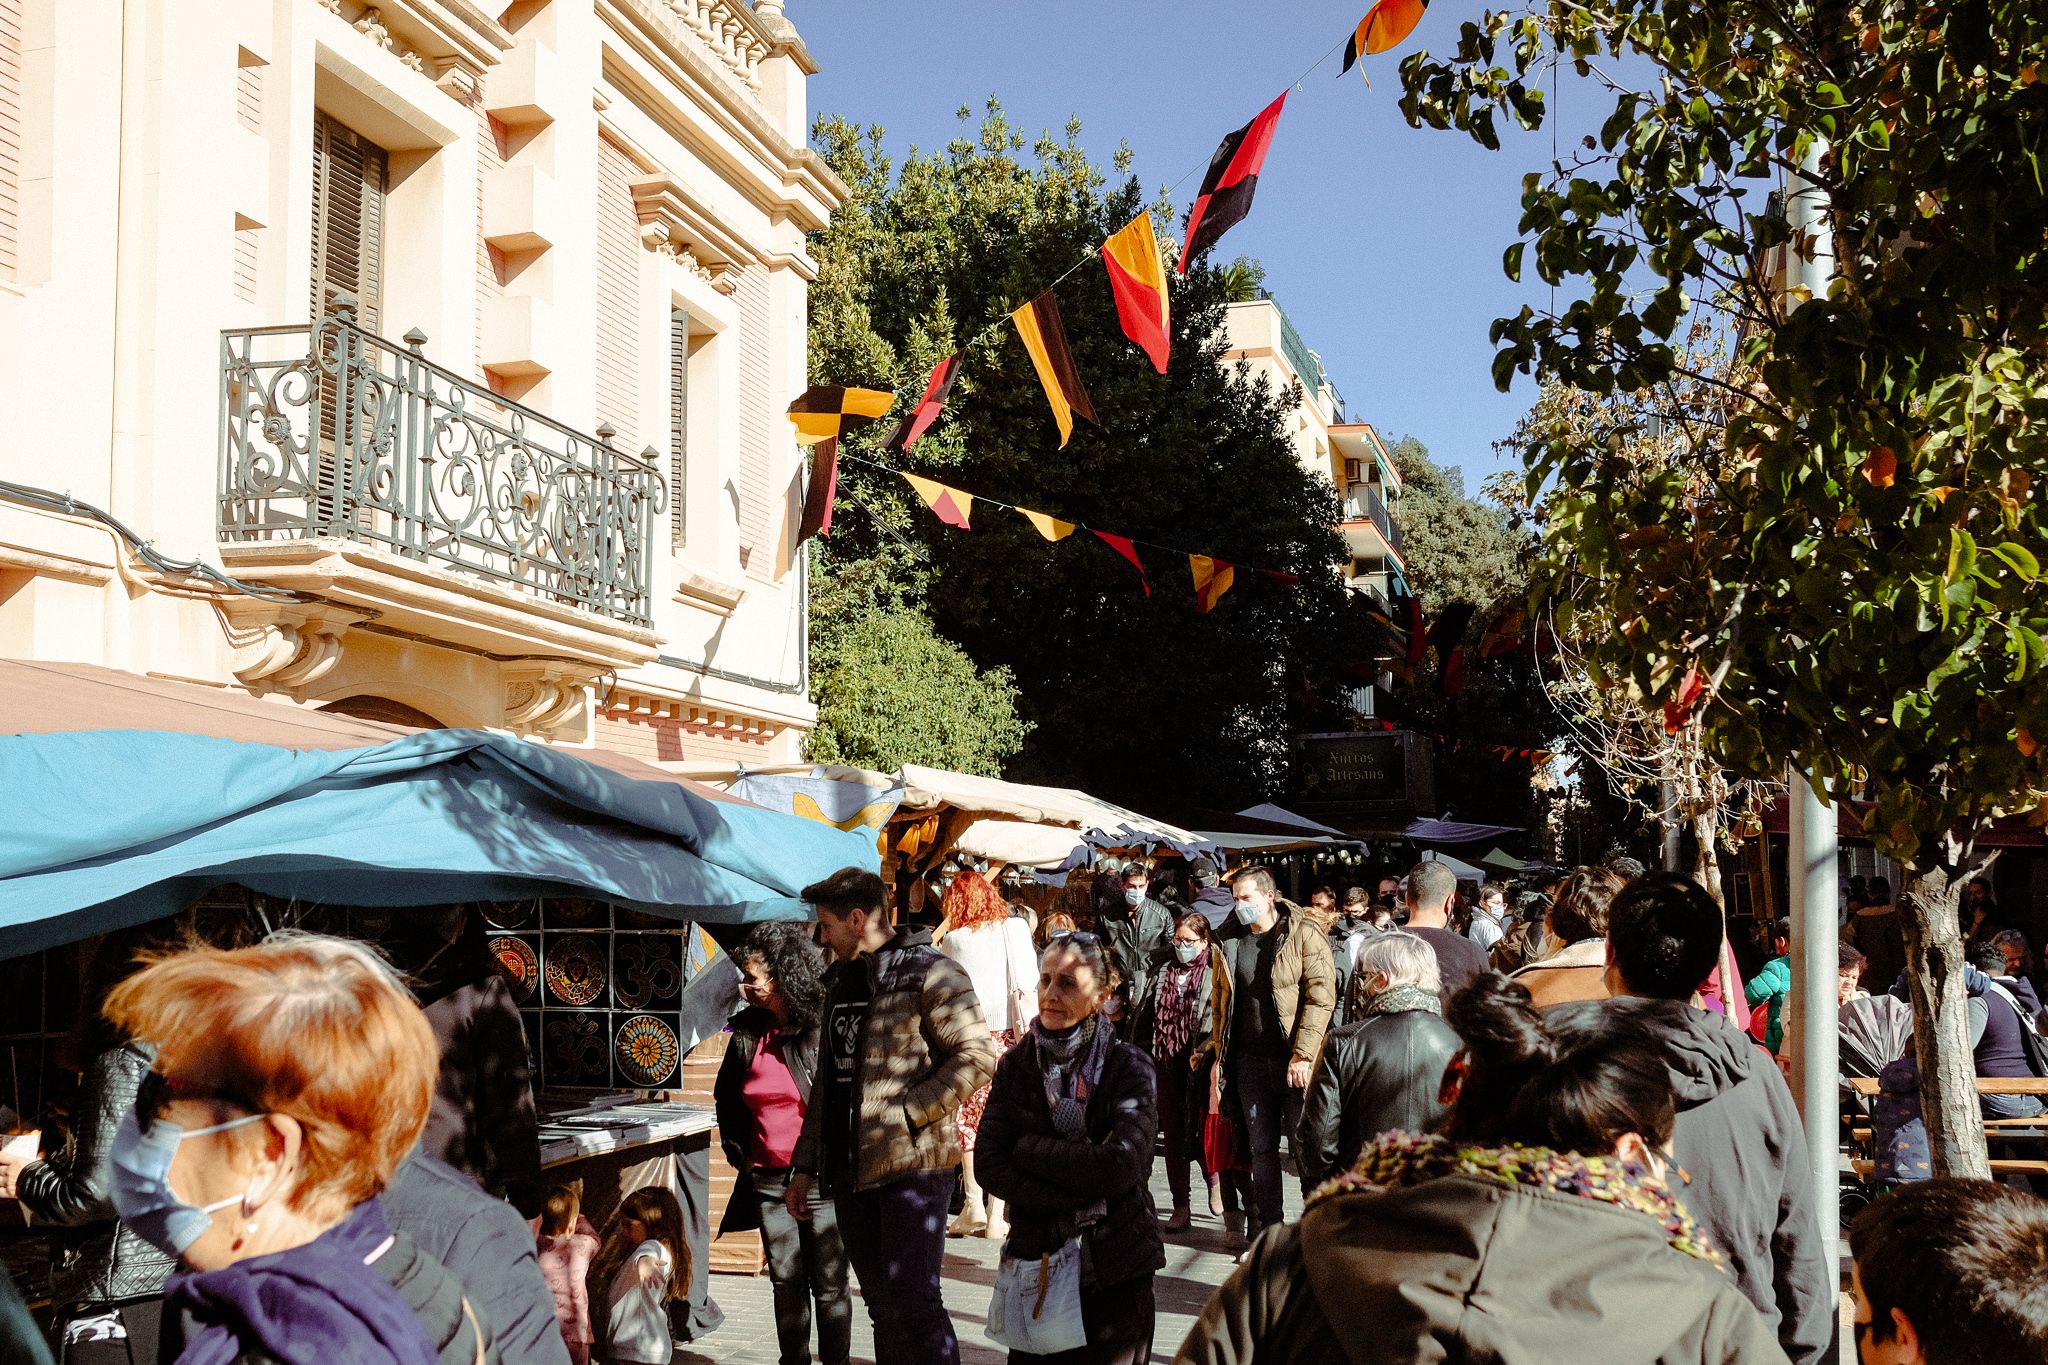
(109,828)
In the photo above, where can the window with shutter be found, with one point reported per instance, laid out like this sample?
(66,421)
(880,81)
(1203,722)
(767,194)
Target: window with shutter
(10,136)
(678,419)
(349,176)
(619,303)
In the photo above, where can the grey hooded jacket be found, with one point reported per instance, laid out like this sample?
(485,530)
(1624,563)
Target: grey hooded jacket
(1740,1141)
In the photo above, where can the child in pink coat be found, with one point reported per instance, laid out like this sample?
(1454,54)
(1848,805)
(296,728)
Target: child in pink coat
(564,1243)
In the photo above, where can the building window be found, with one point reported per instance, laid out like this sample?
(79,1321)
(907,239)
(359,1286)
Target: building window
(10,137)
(678,420)
(618,293)
(247,259)
(350,174)
(248,89)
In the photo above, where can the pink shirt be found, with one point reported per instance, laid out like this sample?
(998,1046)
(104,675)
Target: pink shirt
(771,1097)
(564,1262)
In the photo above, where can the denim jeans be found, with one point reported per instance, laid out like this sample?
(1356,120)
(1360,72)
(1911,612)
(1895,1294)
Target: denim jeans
(805,1260)
(896,1238)
(2011,1106)
(1266,1101)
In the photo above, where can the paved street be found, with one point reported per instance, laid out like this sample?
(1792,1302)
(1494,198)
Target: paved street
(1196,1263)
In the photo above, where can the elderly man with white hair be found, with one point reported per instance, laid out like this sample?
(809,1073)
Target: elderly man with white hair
(1385,1069)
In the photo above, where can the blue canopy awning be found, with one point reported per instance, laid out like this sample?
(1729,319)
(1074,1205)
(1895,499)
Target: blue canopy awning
(109,828)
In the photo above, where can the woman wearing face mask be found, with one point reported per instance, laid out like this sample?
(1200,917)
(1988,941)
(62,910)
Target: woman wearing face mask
(1180,1025)
(1543,1224)
(1067,1139)
(291,1079)
(994,950)
(108,1282)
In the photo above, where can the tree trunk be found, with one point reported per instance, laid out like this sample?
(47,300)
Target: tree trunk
(1929,915)
(1706,857)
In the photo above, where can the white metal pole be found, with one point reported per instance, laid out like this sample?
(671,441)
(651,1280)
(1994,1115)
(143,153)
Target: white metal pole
(1815,844)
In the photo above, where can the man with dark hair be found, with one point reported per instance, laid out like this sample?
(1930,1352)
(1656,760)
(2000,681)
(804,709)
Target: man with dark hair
(903,1044)
(2002,1008)
(1138,931)
(1738,1134)
(1629,868)
(1212,898)
(1282,990)
(1431,889)
(1951,1272)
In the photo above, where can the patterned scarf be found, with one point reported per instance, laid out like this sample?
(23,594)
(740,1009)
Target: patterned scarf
(1400,1160)
(1398,999)
(1173,1017)
(1072,1062)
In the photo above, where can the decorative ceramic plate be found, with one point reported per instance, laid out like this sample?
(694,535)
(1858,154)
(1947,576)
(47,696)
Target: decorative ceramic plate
(575,972)
(648,1050)
(517,963)
(572,1050)
(508,914)
(647,970)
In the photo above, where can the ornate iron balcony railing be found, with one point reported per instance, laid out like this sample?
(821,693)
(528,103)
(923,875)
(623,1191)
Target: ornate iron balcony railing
(330,431)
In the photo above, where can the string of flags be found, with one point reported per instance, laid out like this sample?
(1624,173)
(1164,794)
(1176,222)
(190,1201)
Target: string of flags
(1535,758)
(825,415)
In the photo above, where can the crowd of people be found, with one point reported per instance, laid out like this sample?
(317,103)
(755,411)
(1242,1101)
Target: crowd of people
(1545,1129)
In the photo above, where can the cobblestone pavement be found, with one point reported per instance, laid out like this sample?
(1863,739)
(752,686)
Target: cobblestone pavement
(1196,1262)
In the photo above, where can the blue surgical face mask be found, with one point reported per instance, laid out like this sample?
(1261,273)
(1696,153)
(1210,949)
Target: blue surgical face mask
(139,1183)
(1134,895)
(1186,952)
(1247,911)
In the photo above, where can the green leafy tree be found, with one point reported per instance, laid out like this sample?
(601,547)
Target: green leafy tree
(890,691)
(1861,586)
(1140,699)
(1456,548)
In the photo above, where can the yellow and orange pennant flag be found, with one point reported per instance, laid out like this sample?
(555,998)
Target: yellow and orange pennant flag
(1213,578)
(1038,326)
(1137,277)
(1052,528)
(826,411)
(1383,26)
(949,505)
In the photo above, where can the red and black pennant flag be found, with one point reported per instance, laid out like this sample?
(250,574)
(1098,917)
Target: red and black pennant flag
(937,389)
(826,411)
(824,488)
(1226,195)
(1038,326)
(1123,546)
(1449,628)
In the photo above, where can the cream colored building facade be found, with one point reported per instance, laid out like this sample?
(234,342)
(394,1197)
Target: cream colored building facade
(458,334)
(1349,455)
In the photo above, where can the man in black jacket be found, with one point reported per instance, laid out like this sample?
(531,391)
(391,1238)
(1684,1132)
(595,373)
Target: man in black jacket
(1139,933)
(1382,1071)
(1739,1136)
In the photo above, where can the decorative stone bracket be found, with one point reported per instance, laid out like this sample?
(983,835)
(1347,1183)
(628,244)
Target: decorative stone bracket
(677,223)
(284,646)
(541,697)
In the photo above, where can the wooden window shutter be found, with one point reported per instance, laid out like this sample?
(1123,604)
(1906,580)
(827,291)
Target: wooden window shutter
(618,293)
(349,177)
(10,137)
(678,419)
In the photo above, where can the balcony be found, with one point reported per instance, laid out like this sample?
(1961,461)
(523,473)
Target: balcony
(1369,527)
(334,440)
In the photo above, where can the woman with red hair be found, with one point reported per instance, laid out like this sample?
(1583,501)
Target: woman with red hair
(995,951)
(290,1080)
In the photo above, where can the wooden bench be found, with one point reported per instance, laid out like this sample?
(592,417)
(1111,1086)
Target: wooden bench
(1866,1086)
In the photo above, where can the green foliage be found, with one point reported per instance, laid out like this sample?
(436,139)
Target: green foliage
(1859,572)
(1135,698)
(891,692)
(1457,549)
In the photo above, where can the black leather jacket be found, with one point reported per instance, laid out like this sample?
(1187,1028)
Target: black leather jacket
(101,1260)
(1380,1073)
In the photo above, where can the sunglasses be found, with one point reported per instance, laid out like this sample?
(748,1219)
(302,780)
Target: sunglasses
(1081,937)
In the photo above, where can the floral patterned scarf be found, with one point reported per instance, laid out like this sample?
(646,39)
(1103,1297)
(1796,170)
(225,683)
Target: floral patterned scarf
(1173,1015)
(1399,1160)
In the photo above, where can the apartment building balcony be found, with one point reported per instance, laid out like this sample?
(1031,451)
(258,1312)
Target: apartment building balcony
(358,473)
(1369,528)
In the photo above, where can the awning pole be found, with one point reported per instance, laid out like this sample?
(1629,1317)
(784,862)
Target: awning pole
(1816,1009)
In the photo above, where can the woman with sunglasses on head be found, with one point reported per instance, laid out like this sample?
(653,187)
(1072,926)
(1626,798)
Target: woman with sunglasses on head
(1067,1139)
(1543,1224)
(291,1078)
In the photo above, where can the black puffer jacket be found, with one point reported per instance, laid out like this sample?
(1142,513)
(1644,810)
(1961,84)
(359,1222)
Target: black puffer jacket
(101,1260)
(1383,1072)
(1019,1156)
(735,1121)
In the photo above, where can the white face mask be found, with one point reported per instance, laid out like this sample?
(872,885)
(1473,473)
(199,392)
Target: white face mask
(1247,911)
(1186,952)
(1134,895)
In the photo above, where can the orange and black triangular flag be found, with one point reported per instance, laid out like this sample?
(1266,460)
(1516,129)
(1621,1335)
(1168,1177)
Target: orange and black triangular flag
(1226,195)
(1038,324)
(825,411)
(937,389)
(1384,25)
(817,520)
(1123,546)
(1051,527)
(1213,578)
(949,505)
(1137,277)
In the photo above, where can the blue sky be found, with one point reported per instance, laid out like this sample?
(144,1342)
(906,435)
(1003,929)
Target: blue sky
(1382,242)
